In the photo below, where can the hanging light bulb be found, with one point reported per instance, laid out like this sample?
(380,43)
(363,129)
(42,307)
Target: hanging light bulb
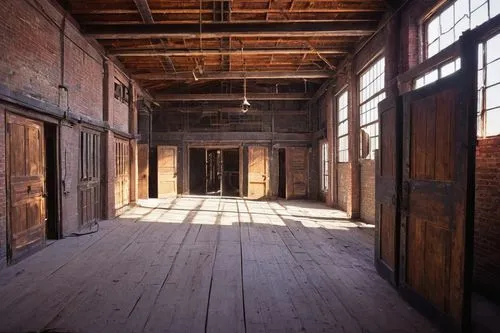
(245,106)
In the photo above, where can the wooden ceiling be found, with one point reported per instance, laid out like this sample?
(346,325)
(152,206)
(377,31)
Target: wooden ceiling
(201,46)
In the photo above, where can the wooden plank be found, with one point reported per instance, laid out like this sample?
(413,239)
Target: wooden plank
(231,97)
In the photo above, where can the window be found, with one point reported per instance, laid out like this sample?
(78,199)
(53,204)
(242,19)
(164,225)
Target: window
(489,87)
(121,92)
(371,92)
(446,27)
(89,156)
(343,127)
(324,166)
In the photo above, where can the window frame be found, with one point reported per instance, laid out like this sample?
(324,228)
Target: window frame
(338,96)
(324,166)
(380,57)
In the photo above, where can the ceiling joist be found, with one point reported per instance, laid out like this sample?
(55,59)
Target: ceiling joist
(215,52)
(229,29)
(231,97)
(187,76)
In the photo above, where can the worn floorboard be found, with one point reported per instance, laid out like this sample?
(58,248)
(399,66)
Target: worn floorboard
(208,264)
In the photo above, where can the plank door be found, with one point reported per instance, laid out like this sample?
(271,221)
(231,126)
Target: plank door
(122,173)
(437,199)
(143,170)
(167,171)
(297,172)
(258,168)
(388,189)
(26,184)
(89,184)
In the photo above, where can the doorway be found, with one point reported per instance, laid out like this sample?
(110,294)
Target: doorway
(52,225)
(214,171)
(282,173)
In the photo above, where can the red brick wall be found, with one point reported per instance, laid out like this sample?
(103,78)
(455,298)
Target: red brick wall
(487,216)
(31,60)
(343,186)
(367,191)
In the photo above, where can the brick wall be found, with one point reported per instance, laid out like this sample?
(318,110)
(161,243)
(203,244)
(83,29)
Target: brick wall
(343,186)
(487,217)
(367,191)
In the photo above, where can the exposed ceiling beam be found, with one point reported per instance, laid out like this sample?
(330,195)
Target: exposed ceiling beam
(144,10)
(234,11)
(228,29)
(187,76)
(216,52)
(231,97)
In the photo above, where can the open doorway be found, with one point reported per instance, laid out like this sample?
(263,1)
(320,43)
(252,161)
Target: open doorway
(231,172)
(52,227)
(282,173)
(153,173)
(197,181)
(214,171)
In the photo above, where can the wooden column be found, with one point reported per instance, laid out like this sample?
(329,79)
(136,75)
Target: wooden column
(133,121)
(108,142)
(331,133)
(353,208)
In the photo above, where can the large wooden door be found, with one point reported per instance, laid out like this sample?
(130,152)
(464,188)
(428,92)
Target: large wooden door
(122,173)
(297,172)
(89,185)
(26,184)
(143,170)
(388,189)
(258,168)
(437,198)
(167,171)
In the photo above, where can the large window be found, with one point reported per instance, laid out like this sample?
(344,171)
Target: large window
(342,127)
(489,87)
(446,27)
(324,166)
(371,92)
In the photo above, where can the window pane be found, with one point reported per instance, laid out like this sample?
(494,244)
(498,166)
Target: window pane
(492,122)
(433,49)
(493,48)
(479,16)
(447,20)
(493,97)
(494,7)
(433,30)
(493,72)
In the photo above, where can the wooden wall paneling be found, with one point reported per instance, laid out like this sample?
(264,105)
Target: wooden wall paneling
(25,186)
(122,173)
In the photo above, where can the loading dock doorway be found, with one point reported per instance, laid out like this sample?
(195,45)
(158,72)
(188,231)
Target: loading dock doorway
(214,171)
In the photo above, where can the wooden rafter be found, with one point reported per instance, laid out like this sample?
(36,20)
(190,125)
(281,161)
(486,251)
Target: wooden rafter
(184,76)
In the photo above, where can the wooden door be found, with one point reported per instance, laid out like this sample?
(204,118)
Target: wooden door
(167,171)
(122,173)
(143,170)
(388,189)
(438,197)
(258,168)
(297,172)
(89,185)
(26,186)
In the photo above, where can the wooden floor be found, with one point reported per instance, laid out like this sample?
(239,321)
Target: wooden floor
(198,264)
